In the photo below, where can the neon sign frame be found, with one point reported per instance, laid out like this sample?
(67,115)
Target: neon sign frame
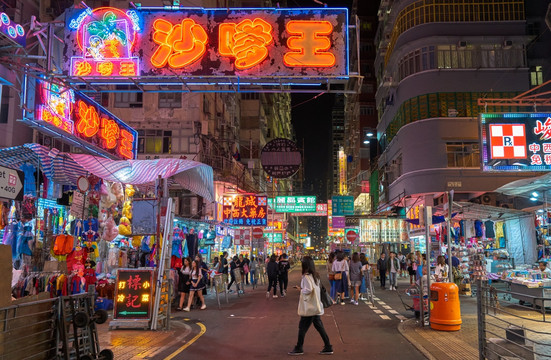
(75,116)
(257,42)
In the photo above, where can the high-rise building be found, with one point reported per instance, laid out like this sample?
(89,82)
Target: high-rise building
(435,60)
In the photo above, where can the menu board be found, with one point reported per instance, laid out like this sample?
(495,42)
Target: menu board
(133,294)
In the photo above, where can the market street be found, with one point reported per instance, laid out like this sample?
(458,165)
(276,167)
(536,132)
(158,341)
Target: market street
(251,325)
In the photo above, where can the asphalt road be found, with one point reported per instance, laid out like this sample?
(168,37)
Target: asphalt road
(251,326)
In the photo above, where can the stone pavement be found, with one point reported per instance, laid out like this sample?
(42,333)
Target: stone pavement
(444,345)
(463,344)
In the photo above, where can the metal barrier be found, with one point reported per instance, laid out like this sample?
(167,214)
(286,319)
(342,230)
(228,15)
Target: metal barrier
(507,329)
(29,327)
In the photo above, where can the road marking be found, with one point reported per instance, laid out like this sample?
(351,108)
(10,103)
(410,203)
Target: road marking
(393,312)
(401,317)
(371,306)
(375,298)
(378,311)
(185,346)
(385,317)
(382,302)
(387,307)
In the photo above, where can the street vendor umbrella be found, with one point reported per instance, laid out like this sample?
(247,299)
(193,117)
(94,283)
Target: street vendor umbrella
(192,175)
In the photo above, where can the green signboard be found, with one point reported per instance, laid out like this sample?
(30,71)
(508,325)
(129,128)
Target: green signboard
(277,236)
(295,204)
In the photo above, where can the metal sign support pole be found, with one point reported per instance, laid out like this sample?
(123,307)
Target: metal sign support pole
(428,223)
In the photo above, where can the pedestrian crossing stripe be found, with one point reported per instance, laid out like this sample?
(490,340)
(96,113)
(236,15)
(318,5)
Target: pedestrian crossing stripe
(378,311)
(385,317)
(394,312)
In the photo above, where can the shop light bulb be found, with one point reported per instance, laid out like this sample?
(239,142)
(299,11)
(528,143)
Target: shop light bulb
(535,194)
(533,199)
(370,134)
(366,142)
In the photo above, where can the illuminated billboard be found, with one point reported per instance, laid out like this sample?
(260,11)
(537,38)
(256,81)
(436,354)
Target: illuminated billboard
(295,204)
(109,43)
(71,114)
(245,210)
(516,142)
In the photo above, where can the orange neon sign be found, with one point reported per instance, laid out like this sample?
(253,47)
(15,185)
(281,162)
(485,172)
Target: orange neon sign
(247,42)
(179,45)
(310,44)
(88,124)
(155,41)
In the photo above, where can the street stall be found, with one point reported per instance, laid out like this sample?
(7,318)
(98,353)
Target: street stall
(99,217)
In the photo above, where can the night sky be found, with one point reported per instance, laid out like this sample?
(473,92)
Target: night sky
(311,117)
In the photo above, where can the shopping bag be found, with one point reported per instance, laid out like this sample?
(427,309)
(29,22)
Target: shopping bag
(338,276)
(325,298)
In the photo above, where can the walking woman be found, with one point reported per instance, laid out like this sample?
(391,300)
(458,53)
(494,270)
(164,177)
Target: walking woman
(272,270)
(184,282)
(340,268)
(355,278)
(310,308)
(331,274)
(197,285)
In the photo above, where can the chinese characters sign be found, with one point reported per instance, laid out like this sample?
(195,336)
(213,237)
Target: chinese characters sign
(245,210)
(295,204)
(133,294)
(516,142)
(110,42)
(276,237)
(343,205)
(321,210)
(74,114)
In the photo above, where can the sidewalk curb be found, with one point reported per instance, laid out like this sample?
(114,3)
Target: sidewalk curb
(413,341)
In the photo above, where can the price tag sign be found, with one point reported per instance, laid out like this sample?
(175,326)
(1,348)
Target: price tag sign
(133,294)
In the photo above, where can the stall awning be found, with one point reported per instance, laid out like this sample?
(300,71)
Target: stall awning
(65,168)
(526,187)
(472,211)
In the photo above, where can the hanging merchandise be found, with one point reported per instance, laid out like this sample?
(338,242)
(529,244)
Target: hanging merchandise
(63,244)
(110,229)
(125,228)
(191,242)
(28,209)
(29,187)
(76,259)
(130,191)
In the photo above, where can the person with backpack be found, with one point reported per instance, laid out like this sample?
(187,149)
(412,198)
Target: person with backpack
(284,267)
(310,308)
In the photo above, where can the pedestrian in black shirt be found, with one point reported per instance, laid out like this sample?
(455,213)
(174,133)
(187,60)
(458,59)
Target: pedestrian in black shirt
(284,267)
(272,270)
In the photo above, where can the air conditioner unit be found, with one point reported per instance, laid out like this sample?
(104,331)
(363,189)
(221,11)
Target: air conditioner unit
(461,44)
(507,44)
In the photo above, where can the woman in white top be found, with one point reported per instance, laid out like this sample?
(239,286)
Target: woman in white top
(310,307)
(340,268)
(441,269)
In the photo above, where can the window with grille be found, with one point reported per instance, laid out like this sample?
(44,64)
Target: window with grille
(154,142)
(128,97)
(463,154)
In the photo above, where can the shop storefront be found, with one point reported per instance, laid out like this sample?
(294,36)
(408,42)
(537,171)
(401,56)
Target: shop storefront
(83,217)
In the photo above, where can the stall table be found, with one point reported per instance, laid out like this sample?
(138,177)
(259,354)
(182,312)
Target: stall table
(525,294)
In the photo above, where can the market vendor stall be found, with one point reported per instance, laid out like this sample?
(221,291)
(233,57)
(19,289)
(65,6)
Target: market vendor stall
(528,286)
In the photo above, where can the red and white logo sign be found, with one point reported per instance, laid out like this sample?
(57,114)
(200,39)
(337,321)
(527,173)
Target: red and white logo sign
(351,236)
(508,141)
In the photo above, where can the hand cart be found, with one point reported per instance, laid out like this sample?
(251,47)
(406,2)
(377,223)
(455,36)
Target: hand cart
(77,335)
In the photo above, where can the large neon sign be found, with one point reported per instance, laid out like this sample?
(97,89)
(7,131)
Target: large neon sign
(113,43)
(74,114)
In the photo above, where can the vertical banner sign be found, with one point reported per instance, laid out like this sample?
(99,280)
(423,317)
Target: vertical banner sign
(516,142)
(245,210)
(343,188)
(133,294)
(112,43)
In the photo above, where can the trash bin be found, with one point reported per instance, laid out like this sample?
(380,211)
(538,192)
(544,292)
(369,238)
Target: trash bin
(445,312)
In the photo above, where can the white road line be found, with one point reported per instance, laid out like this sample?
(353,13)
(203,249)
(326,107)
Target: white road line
(382,302)
(378,311)
(387,307)
(385,317)
(401,317)
(375,298)
(371,306)
(393,312)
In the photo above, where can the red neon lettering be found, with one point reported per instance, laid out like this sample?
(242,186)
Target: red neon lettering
(82,68)
(179,45)
(88,124)
(309,44)
(128,68)
(109,132)
(247,41)
(126,148)
(105,68)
